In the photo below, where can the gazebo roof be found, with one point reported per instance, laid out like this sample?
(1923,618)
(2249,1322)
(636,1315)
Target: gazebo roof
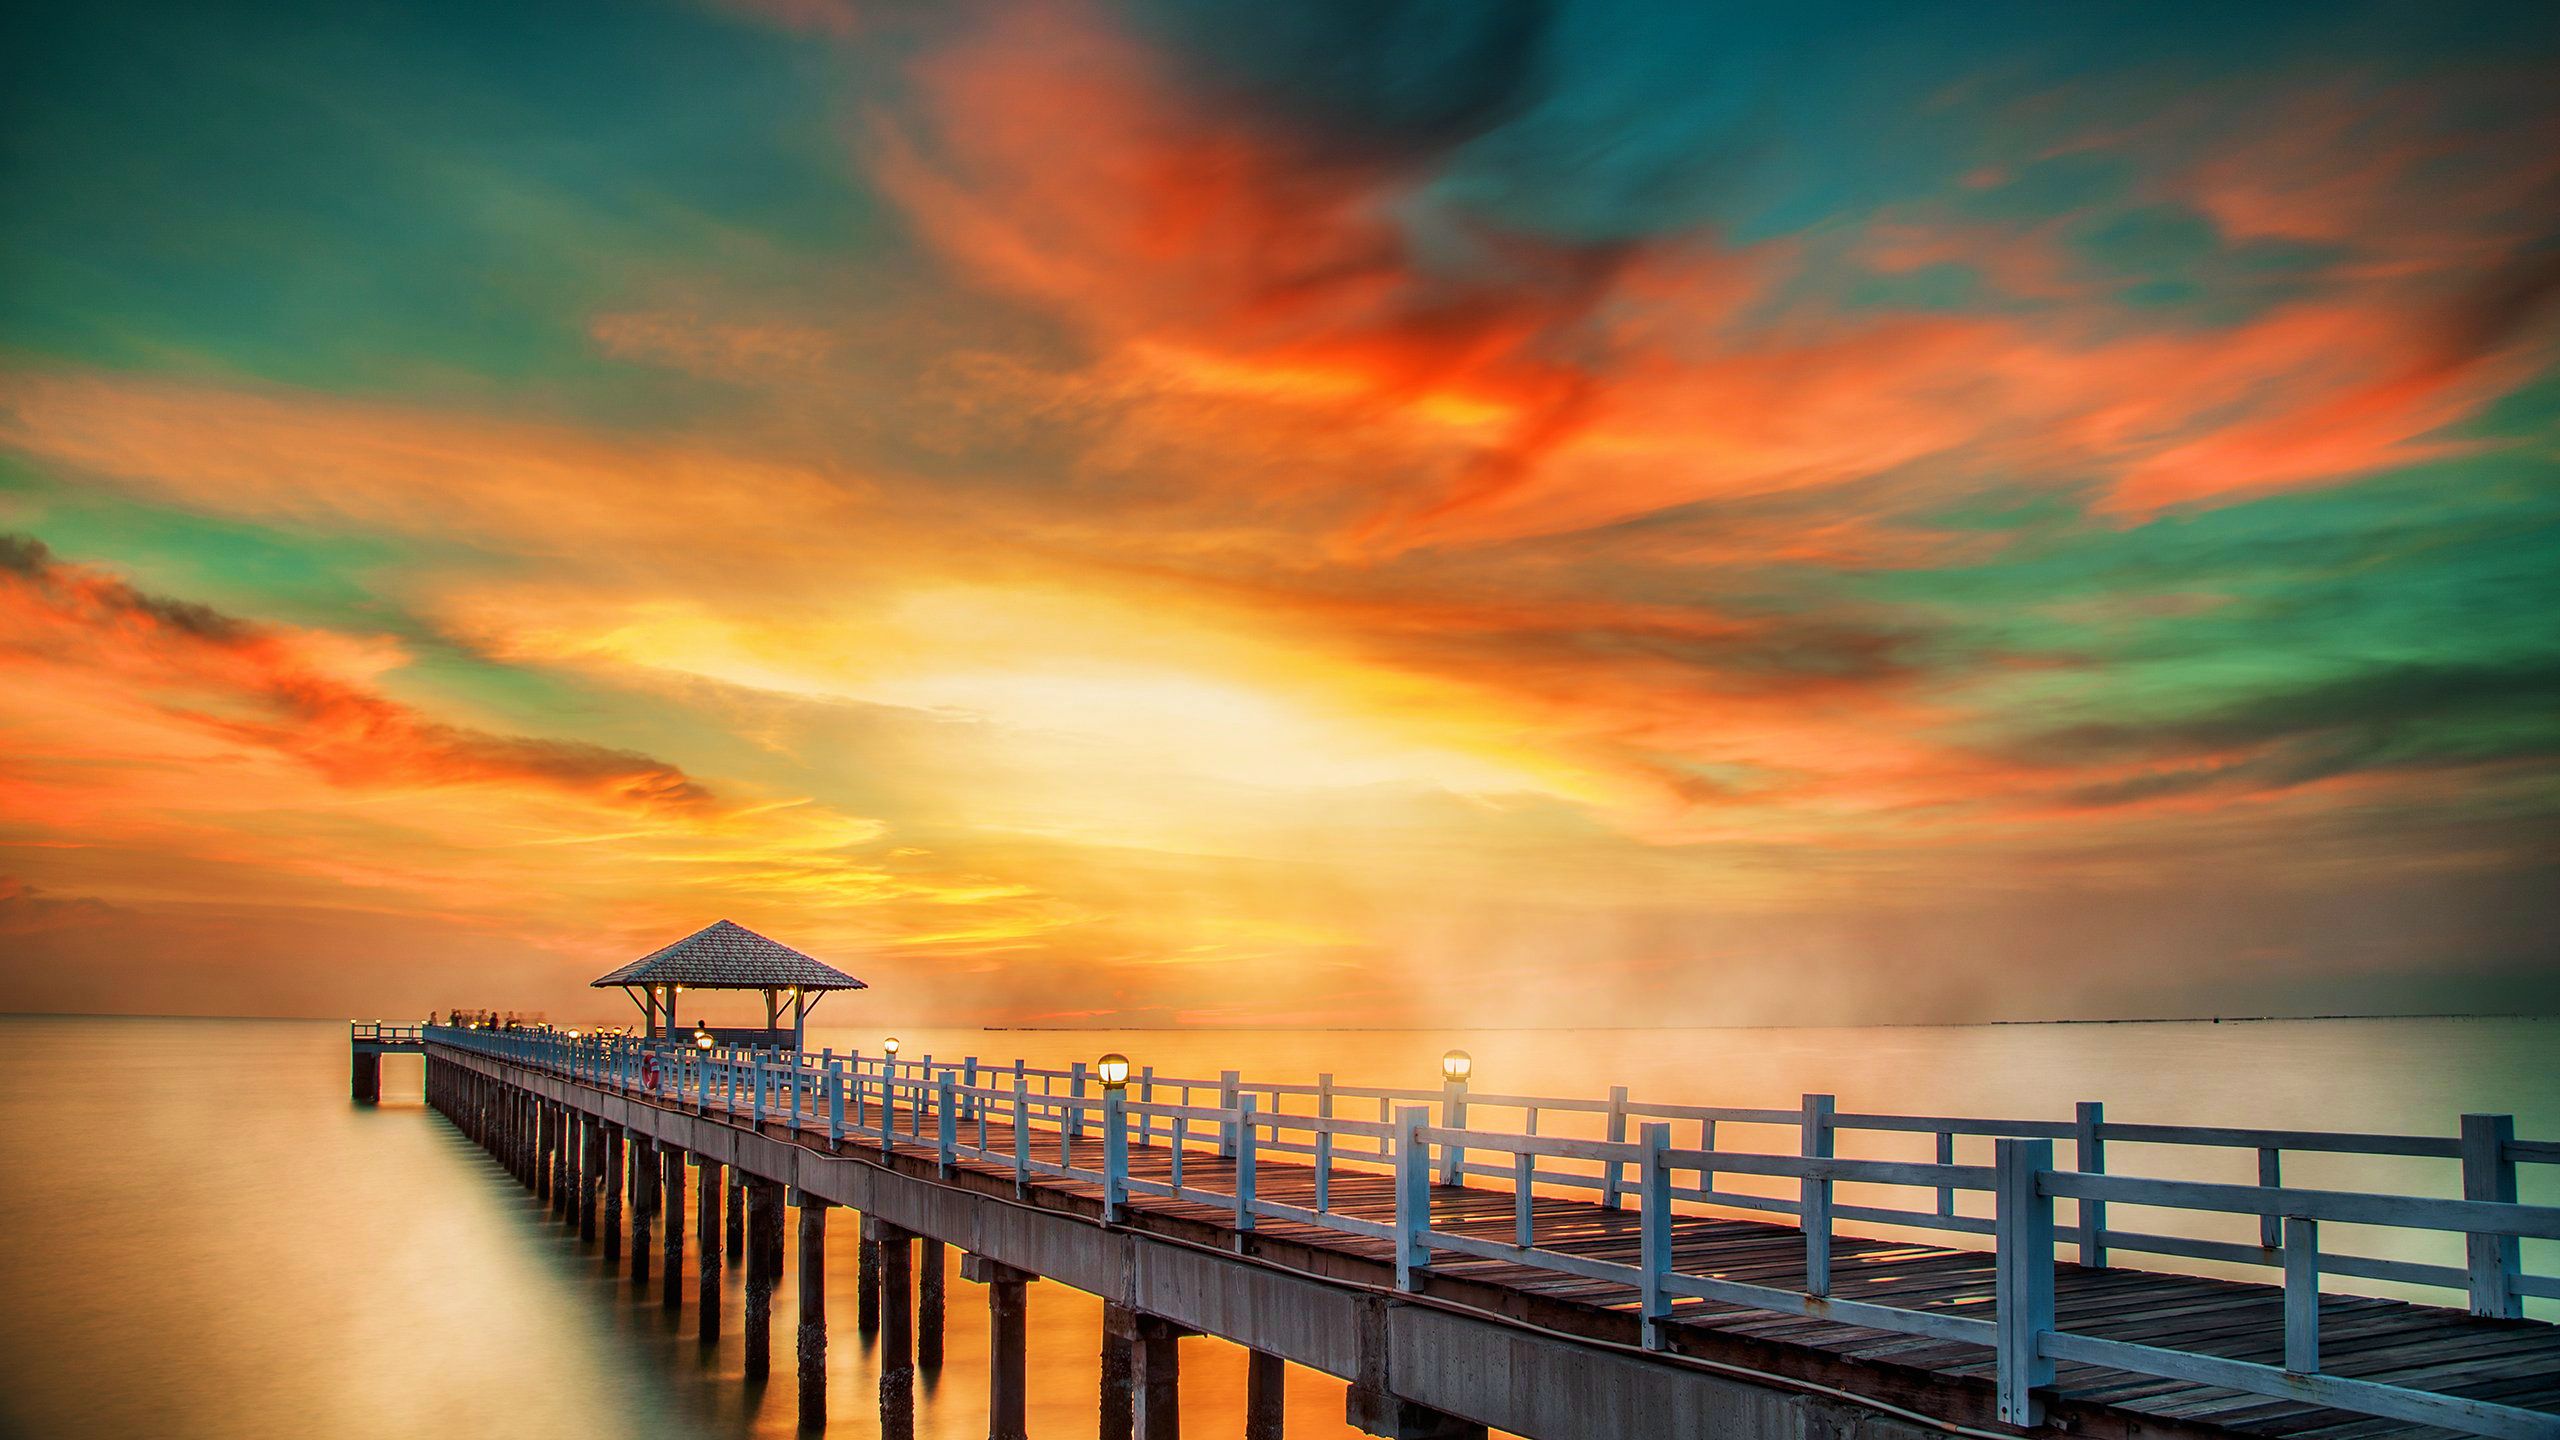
(727,956)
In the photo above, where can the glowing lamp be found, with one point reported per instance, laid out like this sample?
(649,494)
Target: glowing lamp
(1456,1066)
(1114,1070)
(891,1045)
(702,1039)
(573,1034)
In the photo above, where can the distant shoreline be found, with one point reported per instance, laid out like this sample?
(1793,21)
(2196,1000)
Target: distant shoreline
(1470,1029)
(1873,1025)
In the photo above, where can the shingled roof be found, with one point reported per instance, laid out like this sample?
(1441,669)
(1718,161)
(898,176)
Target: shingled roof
(728,956)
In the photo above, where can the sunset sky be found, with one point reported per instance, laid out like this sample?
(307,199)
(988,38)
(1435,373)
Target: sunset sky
(1332,513)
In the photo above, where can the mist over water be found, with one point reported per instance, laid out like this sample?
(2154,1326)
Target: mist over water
(201,1237)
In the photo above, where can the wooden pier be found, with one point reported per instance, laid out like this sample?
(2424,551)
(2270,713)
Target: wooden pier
(1458,1275)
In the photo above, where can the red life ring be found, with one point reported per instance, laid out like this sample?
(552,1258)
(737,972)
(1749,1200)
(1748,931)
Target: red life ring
(649,1072)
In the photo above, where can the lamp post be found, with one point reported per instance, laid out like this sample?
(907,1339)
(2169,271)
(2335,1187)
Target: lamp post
(1455,1067)
(1114,1070)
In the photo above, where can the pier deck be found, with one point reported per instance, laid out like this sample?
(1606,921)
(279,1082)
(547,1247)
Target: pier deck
(1351,1221)
(2514,1363)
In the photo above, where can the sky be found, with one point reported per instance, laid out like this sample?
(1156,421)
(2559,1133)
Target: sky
(1380,513)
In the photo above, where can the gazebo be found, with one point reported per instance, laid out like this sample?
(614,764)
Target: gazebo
(727,956)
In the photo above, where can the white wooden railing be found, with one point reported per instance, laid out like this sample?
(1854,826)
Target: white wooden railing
(860,1099)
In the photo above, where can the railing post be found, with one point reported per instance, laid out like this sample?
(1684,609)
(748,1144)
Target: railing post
(1615,1172)
(794,1072)
(757,1115)
(969,1103)
(1654,1193)
(835,1107)
(1075,1092)
(1244,1162)
(1413,1197)
(2023,1298)
(2301,1295)
(2489,1173)
(1021,1131)
(946,1121)
(2089,1157)
(1115,1154)
(1324,1143)
(1813,1209)
(1453,1116)
(1226,1101)
(2270,1175)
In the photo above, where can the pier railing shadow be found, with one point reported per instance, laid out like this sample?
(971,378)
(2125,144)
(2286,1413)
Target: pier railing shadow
(1407,1171)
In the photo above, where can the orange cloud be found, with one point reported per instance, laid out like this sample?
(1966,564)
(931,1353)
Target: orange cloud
(284,691)
(1271,321)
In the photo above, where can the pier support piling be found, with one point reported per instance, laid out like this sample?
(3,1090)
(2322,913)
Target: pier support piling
(897,1317)
(1008,1388)
(707,1189)
(644,1206)
(764,1271)
(590,1135)
(562,1156)
(929,1265)
(737,1217)
(813,1312)
(671,1186)
(1265,1385)
(365,1084)
(1156,1376)
(609,1184)
(1119,1395)
(867,1278)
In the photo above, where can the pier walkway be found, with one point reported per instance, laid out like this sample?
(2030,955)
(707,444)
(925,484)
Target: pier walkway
(1559,1286)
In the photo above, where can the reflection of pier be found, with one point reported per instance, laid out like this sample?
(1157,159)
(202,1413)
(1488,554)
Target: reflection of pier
(368,1041)
(1460,1275)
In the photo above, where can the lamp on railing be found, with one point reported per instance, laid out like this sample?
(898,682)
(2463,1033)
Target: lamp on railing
(1455,1067)
(702,1039)
(1114,1070)
(890,1045)
(573,1034)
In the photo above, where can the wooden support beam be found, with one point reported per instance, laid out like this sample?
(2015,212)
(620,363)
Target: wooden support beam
(737,1217)
(707,1192)
(1373,1412)
(1265,1385)
(929,1265)
(813,1312)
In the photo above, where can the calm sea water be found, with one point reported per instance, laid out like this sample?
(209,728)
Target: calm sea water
(201,1237)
